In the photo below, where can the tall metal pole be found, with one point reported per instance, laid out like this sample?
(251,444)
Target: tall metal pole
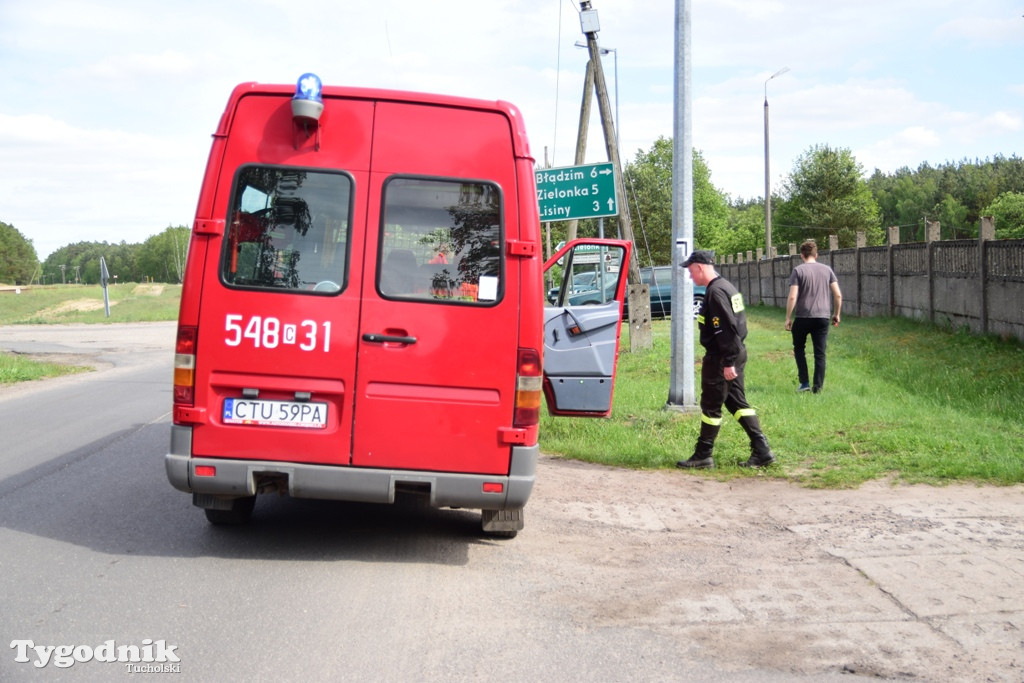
(681,389)
(615,53)
(767,175)
(767,183)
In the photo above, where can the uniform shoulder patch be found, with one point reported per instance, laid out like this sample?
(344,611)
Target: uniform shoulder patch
(737,302)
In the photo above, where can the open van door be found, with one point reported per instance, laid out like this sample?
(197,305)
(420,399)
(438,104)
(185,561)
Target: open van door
(582,326)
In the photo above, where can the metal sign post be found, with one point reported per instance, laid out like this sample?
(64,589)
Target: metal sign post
(104,277)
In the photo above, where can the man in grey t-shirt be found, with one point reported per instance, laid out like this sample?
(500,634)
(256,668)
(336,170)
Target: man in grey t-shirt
(808,312)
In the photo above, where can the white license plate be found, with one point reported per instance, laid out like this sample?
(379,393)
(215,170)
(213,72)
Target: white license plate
(246,411)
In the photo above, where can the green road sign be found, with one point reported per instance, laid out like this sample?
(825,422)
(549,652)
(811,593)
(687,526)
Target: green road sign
(576,192)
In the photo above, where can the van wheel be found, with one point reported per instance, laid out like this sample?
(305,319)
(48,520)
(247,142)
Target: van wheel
(501,534)
(239,512)
(501,523)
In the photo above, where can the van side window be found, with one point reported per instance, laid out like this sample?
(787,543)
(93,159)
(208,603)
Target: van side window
(441,241)
(288,230)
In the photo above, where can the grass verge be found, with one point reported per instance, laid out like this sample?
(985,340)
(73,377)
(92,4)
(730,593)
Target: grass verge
(14,368)
(129,302)
(902,400)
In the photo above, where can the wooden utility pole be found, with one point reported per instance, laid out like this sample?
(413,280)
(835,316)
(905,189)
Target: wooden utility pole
(639,295)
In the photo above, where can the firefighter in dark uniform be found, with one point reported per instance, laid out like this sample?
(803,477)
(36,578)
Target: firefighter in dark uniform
(723,327)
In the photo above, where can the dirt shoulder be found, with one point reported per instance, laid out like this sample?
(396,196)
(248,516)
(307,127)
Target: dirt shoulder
(897,582)
(100,347)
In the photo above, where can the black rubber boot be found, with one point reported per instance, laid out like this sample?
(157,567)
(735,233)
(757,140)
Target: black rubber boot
(760,452)
(701,458)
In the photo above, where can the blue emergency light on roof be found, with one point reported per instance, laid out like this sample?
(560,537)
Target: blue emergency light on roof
(308,102)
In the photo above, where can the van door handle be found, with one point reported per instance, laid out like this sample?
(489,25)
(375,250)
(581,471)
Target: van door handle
(386,338)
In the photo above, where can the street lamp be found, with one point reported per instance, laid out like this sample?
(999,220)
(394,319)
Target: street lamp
(767,177)
(615,54)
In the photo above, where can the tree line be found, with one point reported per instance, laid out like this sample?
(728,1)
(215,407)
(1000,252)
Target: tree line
(826,193)
(161,258)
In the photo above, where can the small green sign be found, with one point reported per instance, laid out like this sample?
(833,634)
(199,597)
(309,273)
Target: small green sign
(570,192)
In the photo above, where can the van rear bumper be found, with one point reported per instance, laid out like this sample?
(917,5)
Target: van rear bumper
(236,478)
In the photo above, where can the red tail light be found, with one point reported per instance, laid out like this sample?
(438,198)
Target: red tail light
(185,366)
(529,386)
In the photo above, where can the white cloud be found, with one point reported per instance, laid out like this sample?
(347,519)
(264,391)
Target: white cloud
(106,107)
(982,31)
(1002,121)
(65,184)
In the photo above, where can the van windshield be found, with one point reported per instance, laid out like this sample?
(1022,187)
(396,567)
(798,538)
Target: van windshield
(288,230)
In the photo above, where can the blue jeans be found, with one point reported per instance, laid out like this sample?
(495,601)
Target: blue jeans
(818,329)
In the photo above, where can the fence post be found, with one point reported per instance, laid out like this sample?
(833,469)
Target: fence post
(986,232)
(858,274)
(988,228)
(894,239)
(750,280)
(757,273)
(932,233)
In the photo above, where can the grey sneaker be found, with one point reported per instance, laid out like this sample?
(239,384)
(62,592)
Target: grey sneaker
(804,387)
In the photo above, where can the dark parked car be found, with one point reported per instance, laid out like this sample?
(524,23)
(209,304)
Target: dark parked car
(583,282)
(660,280)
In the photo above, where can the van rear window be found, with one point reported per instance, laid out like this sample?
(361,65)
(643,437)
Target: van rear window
(441,241)
(288,230)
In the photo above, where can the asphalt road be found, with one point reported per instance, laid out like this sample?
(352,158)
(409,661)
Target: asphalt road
(618,576)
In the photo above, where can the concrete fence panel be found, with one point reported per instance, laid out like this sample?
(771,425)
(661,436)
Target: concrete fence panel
(977,284)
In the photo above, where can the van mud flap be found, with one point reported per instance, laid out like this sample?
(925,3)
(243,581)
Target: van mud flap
(504,522)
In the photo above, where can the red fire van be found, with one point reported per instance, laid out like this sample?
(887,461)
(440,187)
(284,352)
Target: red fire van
(363,308)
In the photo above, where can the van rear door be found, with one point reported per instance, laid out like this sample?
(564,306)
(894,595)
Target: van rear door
(276,342)
(440,320)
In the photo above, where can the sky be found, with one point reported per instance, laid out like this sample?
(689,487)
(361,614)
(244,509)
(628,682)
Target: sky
(107,106)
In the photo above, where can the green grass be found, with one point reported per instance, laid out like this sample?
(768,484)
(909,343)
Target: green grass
(129,302)
(902,401)
(14,368)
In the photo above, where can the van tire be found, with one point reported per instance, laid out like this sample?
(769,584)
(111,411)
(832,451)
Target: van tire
(239,512)
(501,523)
(501,534)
